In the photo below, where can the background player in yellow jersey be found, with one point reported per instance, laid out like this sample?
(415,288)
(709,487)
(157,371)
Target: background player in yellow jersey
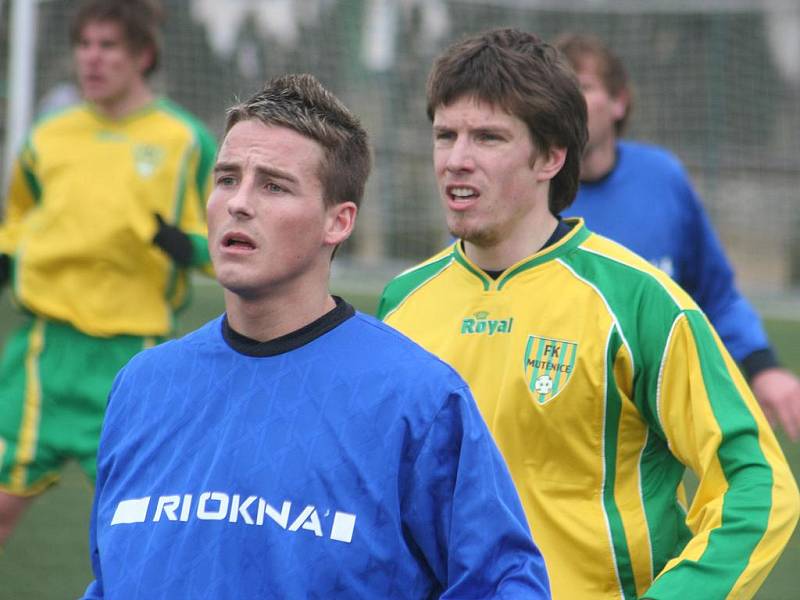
(103,218)
(599,377)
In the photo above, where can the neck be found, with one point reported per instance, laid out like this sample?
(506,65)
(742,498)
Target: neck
(598,160)
(527,240)
(268,318)
(118,108)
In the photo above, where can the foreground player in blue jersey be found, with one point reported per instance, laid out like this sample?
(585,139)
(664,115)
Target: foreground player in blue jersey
(640,196)
(294,448)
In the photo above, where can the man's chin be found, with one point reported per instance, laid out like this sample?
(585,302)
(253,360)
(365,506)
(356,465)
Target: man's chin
(476,237)
(459,229)
(234,283)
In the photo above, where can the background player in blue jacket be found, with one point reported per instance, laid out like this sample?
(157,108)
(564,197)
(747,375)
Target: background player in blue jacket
(641,196)
(294,448)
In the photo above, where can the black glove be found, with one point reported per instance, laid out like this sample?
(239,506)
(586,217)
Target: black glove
(174,242)
(5,269)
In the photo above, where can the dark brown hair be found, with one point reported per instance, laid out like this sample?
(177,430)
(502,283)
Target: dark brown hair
(139,19)
(527,78)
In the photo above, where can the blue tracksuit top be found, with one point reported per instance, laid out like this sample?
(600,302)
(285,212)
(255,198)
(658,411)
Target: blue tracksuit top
(340,461)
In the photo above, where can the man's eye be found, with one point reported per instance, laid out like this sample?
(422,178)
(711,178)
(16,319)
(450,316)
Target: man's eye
(444,135)
(488,137)
(274,188)
(225,180)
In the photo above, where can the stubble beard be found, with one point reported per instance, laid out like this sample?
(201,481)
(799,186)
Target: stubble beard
(476,235)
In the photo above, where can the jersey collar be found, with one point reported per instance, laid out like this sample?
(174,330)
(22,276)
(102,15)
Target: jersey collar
(566,244)
(291,341)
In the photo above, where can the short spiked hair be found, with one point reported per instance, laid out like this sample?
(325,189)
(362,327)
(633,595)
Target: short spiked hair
(301,103)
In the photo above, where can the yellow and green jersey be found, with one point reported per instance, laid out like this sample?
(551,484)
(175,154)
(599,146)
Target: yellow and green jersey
(601,380)
(79,216)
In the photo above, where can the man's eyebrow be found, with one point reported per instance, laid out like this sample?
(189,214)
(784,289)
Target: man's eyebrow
(225,167)
(273,173)
(492,128)
(483,128)
(268,172)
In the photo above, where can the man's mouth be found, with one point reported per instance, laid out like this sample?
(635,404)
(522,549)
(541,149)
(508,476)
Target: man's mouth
(93,78)
(461,195)
(238,240)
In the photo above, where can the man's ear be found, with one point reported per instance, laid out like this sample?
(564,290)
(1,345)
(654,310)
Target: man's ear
(619,104)
(339,222)
(144,59)
(548,165)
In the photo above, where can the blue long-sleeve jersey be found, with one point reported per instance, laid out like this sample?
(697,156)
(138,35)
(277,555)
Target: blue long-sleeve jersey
(648,204)
(341,461)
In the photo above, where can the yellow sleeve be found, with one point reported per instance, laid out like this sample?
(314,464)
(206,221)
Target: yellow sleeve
(23,194)
(746,505)
(192,219)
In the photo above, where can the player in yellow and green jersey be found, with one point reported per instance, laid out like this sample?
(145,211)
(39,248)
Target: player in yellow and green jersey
(599,377)
(104,218)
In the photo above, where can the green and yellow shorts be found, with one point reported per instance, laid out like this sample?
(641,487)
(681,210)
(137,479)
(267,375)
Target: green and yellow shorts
(54,385)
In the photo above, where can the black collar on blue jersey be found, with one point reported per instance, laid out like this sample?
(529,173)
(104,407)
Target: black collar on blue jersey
(300,337)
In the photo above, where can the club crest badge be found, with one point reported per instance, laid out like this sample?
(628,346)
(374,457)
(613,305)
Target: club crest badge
(548,365)
(147,158)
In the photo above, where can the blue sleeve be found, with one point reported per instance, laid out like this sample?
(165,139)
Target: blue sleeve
(462,513)
(93,592)
(709,279)
(95,589)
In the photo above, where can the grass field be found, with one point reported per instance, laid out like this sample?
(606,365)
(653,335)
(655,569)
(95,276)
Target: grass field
(47,558)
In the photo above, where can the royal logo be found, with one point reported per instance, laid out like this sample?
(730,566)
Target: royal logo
(481,324)
(548,365)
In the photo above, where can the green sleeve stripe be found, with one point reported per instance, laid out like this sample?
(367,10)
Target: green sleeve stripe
(208,153)
(633,268)
(747,503)
(180,191)
(645,310)
(33,184)
(613,412)
(178,292)
(172,283)
(614,297)
(200,253)
(407,283)
(660,474)
(173,280)
(204,142)
(27,158)
(660,471)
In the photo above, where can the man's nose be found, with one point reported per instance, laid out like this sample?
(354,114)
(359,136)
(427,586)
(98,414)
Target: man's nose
(460,156)
(240,202)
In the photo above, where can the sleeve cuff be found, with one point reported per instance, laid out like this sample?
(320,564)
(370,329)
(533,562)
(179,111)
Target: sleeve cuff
(758,361)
